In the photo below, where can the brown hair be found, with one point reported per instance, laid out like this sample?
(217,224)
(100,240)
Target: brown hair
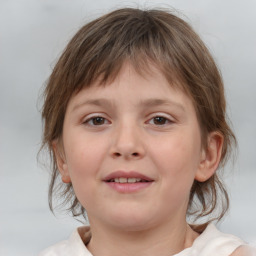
(142,37)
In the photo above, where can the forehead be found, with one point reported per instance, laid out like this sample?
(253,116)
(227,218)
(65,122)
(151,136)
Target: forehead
(150,88)
(144,69)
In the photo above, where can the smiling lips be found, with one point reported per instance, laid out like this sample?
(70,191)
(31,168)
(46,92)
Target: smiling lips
(127,182)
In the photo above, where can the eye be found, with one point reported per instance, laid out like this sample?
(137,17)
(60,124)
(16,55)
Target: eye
(159,120)
(96,121)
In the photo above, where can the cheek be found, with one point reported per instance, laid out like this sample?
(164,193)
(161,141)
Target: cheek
(178,157)
(84,163)
(84,156)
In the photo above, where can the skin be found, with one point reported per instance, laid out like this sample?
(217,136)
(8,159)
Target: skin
(145,125)
(244,251)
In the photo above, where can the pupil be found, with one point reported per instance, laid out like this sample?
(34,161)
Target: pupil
(98,120)
(160,120)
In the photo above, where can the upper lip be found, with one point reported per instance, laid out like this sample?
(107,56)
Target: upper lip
(125,174)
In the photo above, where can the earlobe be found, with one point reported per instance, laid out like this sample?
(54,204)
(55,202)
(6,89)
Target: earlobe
(65,174)
(61,162)
(210,158)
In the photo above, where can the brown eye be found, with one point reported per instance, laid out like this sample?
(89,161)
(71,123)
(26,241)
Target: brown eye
(98,120)
(159,120)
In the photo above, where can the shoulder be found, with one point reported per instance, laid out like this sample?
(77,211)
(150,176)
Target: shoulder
(213,241)
(75,245)
(244,250)
(55,250)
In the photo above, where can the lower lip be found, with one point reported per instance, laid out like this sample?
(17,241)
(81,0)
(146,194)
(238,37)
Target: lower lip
(129,187)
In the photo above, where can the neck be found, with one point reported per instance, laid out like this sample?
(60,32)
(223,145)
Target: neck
(164,240)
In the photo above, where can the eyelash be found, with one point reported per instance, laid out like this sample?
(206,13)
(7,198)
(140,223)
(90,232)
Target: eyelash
(90,121)
(93,118)
(163,118)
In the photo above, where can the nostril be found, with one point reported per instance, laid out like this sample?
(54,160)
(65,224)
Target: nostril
(117,154)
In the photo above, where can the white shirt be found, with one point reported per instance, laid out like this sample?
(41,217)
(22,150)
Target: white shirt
(211,242)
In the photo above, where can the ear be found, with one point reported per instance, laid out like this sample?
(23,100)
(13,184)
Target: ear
(210,157)
(61,161)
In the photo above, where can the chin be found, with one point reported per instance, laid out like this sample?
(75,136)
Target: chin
(133,227)
(132,222)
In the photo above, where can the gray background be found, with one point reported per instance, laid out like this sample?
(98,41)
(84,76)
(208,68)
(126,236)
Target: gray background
(32,35)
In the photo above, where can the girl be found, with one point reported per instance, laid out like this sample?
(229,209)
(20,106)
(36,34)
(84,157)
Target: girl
(135,123)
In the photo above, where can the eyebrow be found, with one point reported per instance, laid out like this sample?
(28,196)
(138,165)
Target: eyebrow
(102,102)
(96,102)
(158,102)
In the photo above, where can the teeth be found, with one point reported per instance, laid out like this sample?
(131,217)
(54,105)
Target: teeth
(127,180)
(123,180)
(131,180)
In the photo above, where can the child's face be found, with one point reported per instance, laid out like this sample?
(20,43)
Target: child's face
(137,128)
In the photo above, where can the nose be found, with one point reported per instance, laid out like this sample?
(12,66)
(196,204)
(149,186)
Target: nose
(127,142)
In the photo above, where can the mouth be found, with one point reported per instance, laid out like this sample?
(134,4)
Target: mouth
(128,182)
(127,177)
